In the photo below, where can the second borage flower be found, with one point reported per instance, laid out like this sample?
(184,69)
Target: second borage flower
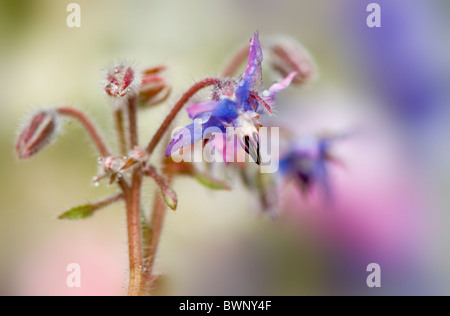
(235,104)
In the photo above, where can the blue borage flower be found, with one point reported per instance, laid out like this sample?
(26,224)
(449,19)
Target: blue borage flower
(237,105)
(307,162)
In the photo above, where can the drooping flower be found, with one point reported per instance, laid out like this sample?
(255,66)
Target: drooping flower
(235,104)
(307,162)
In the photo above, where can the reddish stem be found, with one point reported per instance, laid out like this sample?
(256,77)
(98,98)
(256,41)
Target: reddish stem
(122,142)
(134,235)
(107,201)
(133,208)
(89,125)
(177,107)
(156,226)
(132,119)
(151,171)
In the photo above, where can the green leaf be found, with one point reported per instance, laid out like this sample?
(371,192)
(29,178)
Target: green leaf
(211,183)
(78,212)
(88,210)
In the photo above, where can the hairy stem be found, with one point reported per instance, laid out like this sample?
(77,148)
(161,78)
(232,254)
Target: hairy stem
(132,122)
(159,206)
(122,142)
(133,208)
(134,235)
(88,125)
(108,200)
(233,65)
(177,107)
(156,226)
(151,171)
(123,185)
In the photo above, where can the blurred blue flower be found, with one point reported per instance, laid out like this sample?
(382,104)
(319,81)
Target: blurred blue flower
(306,161)
(406,68)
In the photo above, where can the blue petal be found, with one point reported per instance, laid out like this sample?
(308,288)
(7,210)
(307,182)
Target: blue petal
(185,137)
(244,99)
(253,72)
(321,175)
(251,80)
(226,110)
(196,130)
(243,92)
(218,114)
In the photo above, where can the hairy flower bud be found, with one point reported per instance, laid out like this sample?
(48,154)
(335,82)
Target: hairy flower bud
(136,156)
(287,55)
(154,88)
(38,131)
(109,167)
(120,80)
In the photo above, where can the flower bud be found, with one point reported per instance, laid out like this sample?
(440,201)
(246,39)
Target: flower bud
(136,156)
(154,88)
(39,131)
(112,164)
(287,55)
(120,80)
(109,167)
(170,197)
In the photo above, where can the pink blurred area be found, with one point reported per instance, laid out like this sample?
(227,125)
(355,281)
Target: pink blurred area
(45,270)
(376,188)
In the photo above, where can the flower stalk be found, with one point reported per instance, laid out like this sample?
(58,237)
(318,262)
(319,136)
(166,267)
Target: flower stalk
(133,199)
(88,125)
(120,130)
(233,103)
(176,109)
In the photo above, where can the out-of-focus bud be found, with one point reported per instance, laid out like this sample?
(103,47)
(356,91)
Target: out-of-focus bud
(288,55)
(154,88)
(37,132)
(120,80)
(112,164)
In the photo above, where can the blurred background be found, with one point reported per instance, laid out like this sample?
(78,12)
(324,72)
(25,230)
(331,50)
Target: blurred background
(391,205)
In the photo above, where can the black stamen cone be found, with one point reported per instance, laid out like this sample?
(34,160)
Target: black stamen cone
(252,150)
